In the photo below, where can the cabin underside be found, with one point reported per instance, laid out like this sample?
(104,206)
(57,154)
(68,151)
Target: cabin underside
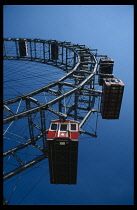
(63,157)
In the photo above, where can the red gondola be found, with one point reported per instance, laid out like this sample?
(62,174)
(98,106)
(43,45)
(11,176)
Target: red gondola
(68,129)
(62,144)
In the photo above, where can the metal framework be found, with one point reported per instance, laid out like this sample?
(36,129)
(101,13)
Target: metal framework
(81,67)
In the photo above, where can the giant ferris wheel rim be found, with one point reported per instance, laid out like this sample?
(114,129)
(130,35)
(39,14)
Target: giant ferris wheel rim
(65,44)
(78,84)
(77,49)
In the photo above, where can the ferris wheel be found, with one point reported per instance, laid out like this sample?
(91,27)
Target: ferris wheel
(47,82)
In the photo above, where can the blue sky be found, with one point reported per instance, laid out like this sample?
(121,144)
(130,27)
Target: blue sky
(105,164)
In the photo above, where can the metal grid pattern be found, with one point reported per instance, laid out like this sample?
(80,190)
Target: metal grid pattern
(74,96)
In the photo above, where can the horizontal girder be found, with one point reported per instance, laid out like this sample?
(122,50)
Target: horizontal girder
(24,167)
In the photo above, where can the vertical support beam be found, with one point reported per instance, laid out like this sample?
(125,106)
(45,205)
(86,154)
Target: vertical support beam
(66,58)
(74,58)
(30,122)
(31,50)
(58,53)
(44,51)
(91,86)
(59,93)
(35,49)
(93,97)
(17,158)
(49,51)
(43,128)
(17,51)
(90,97)
(62,53)
(91,65)
(76,100)
(76,105)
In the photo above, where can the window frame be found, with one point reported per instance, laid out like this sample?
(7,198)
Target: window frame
(63,130)
(51,125)
(76,127)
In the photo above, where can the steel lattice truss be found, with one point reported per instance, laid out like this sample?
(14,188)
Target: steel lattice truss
(75,91)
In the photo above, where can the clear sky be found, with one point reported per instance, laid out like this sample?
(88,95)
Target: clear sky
(105,164)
